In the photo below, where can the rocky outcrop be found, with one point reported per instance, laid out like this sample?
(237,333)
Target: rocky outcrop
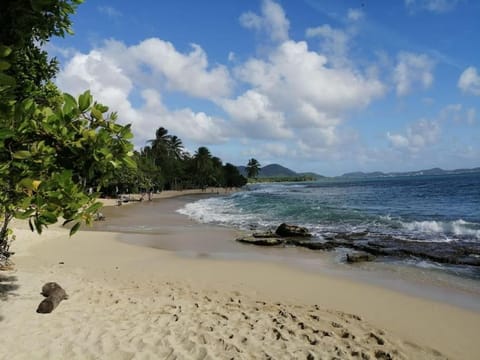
(367,246)
(267,234)
(284,235)
(261,241)
(285,230)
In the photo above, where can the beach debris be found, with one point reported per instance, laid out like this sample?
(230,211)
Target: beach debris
(286,230)
(99,216)
(359,256)
(54,294)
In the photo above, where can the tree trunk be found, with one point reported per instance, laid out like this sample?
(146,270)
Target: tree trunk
(54,294)
(4,244)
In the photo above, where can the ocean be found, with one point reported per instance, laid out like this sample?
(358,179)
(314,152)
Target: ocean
(428,221)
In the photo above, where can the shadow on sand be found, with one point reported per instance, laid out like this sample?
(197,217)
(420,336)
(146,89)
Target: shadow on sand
(8,285)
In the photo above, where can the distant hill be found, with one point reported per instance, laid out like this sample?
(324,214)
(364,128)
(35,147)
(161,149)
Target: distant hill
(434,171)
(276,170)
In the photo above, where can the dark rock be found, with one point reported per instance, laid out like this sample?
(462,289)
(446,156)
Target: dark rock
(312,245)
(359,257)
(266,234)
(261,241)
(286,230)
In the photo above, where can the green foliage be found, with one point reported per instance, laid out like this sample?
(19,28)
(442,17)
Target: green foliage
(164,165)
(47,158)
(26,26)
(232,176)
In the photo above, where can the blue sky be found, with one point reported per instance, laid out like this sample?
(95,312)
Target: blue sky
(315,85)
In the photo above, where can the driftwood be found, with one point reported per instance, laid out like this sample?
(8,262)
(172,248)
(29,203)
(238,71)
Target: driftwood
(54,294)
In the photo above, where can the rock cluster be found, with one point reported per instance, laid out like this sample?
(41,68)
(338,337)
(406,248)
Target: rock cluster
(367,246)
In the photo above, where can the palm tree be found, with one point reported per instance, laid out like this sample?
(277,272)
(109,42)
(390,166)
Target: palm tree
(175,147)
(159,144)
(253,168)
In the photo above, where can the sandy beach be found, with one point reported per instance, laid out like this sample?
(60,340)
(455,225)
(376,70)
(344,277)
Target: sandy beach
(138,302)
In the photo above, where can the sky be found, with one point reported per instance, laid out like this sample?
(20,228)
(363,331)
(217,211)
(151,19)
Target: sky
(315,85)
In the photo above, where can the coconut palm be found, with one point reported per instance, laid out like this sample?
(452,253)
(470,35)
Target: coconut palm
(175,147)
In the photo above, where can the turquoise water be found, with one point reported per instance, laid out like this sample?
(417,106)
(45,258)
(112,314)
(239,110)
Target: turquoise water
(434,209)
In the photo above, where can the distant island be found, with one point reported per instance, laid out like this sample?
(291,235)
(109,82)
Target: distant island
(427,172)
(279,173)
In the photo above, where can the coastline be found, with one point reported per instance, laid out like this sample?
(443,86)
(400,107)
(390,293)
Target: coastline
(168,194)
(130,300)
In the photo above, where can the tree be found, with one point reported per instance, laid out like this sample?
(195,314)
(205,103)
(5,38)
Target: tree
(26,26)
(51,146)
(232,177)
(253,168)
(203,166)
(175,147)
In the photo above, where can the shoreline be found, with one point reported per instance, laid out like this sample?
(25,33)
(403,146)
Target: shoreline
(167,194)
(130,300)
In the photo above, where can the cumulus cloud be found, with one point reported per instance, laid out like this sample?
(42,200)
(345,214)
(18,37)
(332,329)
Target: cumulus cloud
(272,20)
(292,88)
(469,81)
(254,115)
(295,78)
(188,73)
(436,6)
(113,79)
(412,70)
(417,136)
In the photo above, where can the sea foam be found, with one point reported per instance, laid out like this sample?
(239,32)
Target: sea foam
(458,228)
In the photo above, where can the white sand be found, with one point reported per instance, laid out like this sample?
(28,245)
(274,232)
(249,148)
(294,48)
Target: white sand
(130,302)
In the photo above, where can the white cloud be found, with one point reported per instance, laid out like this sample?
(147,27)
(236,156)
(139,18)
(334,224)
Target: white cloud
(272,21)
(417,136)
(295,92)
(112,80)
(84,71)
(334,42)
(293,76)
(254,116)
(188,73)
(411,70)
(355,14)
(469,81)
(436,6)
